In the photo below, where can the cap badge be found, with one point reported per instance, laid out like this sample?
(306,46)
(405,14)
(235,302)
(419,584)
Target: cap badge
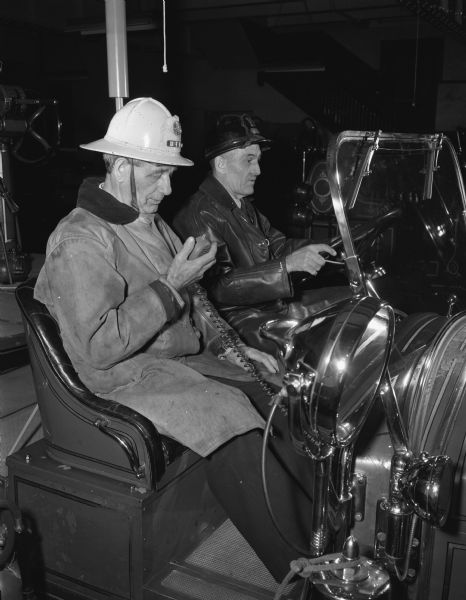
(173,130)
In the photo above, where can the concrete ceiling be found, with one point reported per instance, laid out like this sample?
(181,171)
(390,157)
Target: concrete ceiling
(69,15)
(344,18)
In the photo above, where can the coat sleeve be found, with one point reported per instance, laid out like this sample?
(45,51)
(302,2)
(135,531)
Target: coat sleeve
(103,323)
(280,245)
(228,283)
(246,286)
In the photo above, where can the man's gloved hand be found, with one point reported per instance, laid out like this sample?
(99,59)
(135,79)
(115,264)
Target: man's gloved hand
(189,264)
(308,258)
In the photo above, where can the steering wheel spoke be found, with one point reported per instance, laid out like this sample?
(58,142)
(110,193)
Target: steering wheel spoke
(21,118)
(365,234)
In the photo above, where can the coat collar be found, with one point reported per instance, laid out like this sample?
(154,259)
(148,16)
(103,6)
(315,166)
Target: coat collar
(103,205)
(213,188)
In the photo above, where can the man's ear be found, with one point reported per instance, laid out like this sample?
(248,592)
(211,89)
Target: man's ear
(219,162)
(121,169)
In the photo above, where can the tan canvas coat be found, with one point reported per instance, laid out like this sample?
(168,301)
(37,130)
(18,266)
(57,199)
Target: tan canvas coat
(129,335)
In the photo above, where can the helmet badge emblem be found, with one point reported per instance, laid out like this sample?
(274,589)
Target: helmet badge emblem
(173,129)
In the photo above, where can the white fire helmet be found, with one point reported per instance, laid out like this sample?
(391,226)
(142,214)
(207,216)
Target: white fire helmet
(143,129)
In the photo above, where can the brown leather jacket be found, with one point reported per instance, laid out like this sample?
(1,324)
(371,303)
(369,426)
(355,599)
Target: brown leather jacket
(250,267)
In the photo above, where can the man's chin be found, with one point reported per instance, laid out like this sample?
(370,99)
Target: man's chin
(150,209)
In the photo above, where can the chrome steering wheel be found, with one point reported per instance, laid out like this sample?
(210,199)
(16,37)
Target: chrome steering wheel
(364,234)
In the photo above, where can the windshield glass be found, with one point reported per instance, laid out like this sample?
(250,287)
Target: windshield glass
(399,203)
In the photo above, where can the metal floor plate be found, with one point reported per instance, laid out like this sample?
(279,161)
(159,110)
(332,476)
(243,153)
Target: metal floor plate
(222,567)
(191,586)
(227,553)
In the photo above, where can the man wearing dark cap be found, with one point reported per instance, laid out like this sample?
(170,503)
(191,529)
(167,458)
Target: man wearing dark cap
(250,281)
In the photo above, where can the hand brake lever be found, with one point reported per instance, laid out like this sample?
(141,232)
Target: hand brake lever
(330,259)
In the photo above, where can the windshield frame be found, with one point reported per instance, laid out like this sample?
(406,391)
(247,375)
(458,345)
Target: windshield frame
(432,144)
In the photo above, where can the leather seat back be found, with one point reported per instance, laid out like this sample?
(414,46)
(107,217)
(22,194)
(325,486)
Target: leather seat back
(81,429)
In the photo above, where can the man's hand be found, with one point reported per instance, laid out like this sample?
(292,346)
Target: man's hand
(201,246)
(184,270)
(308,258)
(267,360)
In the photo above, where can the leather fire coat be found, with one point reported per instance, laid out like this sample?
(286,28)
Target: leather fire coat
(250,266)
(249,278)
(128,333)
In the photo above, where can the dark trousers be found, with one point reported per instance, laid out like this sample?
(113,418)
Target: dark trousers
(234,476)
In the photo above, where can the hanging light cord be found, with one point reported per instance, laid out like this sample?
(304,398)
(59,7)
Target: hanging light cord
(164,67)
(416,58)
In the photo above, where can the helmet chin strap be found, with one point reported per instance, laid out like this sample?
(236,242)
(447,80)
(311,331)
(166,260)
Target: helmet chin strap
(132,183)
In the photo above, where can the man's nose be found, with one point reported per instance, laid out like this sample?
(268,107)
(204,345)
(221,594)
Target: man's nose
(256,169)
(167,185)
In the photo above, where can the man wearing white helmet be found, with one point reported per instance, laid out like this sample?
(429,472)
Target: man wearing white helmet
(119,283)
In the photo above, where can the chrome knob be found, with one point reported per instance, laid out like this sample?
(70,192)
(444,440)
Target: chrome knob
(452,301)
(427,484)
(351,548)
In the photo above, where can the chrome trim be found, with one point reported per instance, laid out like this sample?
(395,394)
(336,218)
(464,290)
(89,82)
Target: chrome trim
(396,426)
(432,159)
(319,519)
(427,483)
(459,175)
(355,277)
(439,341)
(336,363)
(429,143)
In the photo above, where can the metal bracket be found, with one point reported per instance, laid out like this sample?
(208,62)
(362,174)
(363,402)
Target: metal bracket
(380,539)
(358,491)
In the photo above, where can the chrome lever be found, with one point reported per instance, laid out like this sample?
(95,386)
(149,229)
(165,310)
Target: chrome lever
(452,301)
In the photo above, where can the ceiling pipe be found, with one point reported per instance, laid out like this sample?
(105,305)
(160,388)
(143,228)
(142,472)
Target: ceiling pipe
(117,58)
(459,11)
(436,15)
